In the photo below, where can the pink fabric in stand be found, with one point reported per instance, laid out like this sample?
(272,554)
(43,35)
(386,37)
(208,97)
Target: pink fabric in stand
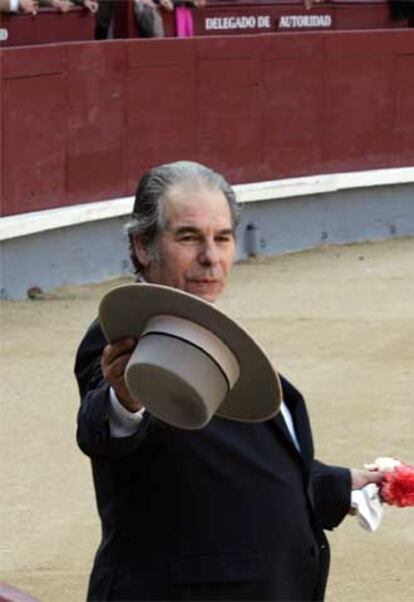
(184,25)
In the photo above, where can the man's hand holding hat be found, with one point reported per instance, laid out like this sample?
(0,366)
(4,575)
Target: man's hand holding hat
(114,360)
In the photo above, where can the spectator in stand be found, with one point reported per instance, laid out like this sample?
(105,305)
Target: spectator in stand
(403,9)
(309,3)
(65,6)
(90,5)
(62,6)
(31,6)
(15,6)
(103,19)
(184,24)
(148,17)
(147,14)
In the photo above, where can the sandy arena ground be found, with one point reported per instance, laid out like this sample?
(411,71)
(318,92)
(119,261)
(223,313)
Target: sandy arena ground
(337,321)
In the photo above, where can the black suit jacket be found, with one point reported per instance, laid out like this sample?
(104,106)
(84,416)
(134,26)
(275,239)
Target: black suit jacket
(229,512)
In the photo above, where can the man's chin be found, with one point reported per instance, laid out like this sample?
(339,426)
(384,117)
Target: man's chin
(208,291)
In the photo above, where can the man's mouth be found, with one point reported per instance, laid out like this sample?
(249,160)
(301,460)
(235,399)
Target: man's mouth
(204,281)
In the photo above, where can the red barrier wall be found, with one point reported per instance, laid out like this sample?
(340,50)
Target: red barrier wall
(46,27)
(81,122)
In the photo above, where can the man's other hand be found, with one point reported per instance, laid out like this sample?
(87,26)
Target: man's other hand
(360,478)
(114,360)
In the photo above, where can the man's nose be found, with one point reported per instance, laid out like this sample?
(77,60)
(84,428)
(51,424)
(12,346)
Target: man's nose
(209,254)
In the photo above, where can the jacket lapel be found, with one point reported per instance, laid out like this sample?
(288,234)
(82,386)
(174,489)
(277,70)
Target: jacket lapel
(296,406)
(283,430)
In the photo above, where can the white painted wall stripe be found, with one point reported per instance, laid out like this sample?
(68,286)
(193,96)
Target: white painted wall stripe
(16,226)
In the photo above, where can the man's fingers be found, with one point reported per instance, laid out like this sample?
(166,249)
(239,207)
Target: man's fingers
(116,369)
(375,476)
(112,351)
(360,478)
(114,360)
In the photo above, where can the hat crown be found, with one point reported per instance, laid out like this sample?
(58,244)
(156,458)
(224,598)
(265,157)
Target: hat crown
(200,337)
(181,371)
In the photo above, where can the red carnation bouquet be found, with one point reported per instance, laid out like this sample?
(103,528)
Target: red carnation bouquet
(397,486)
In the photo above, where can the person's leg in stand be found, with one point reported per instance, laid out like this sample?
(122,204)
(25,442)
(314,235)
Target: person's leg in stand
(103,19)
(158,23)
(148,19)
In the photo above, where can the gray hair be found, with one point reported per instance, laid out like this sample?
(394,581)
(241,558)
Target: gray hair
(147,219)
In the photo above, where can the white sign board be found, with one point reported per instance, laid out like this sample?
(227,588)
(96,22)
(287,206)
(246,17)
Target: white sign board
(241,23)
(305,22)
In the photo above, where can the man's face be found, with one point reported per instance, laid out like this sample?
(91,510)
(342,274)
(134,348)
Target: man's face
(196,249)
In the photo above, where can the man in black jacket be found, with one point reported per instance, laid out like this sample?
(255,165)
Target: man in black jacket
(233,511)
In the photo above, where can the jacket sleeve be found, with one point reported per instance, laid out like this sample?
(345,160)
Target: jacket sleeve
(93,432)
(331,492)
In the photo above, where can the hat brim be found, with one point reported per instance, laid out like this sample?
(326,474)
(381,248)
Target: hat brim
(125,310)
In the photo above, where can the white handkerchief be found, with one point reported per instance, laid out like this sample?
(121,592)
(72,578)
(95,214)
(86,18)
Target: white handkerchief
(367,504)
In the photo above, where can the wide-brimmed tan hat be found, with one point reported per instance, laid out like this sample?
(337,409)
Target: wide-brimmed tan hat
(191,360)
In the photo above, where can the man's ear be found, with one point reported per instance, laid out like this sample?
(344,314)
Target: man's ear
(140,251)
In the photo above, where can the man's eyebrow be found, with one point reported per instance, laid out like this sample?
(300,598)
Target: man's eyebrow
(226,232)
(187,229)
